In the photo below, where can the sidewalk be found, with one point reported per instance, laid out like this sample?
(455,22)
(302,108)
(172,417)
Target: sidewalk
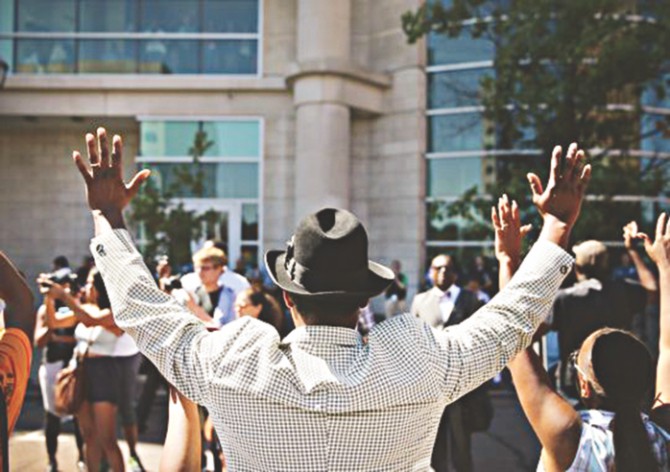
(27,452)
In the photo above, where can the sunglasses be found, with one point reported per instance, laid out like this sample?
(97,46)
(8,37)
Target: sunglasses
(573,361)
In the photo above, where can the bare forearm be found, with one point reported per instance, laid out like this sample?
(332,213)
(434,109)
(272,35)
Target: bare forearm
(555,231)
(506,269)
(555,422)
(647,279)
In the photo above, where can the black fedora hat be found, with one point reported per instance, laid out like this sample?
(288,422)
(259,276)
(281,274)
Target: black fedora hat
(328,255)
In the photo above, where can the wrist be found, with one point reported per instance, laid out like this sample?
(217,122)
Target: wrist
(555,231)
(107,220)
(507,261)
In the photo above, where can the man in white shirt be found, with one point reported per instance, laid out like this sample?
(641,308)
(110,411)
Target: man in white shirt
(322,398)
(446,304)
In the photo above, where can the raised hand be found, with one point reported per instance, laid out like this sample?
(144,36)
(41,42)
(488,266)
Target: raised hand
(508,230)
(105,189)
(659,249)
(562,198)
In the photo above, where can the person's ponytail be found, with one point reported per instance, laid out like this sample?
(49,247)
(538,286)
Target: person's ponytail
(623,370)
(633,452)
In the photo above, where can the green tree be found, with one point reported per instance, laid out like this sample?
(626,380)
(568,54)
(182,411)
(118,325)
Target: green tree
(569,70)
(168,227)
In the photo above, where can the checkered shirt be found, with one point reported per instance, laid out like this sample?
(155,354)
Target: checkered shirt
(596,444)
(321,398)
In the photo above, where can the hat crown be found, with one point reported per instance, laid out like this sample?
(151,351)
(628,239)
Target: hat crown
(331,239)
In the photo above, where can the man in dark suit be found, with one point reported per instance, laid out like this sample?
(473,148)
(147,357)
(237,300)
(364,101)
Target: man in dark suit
(444,305)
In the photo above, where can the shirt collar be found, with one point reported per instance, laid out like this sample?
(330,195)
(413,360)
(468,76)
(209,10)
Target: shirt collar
(453,291)
(324,335)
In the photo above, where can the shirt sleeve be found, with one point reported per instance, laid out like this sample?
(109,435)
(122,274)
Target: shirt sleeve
(470,353)
(165,331)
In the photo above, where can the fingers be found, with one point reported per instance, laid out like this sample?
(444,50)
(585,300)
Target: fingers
(555,167)
(571,160)
(117,153)
(516,218)
(83,170)
(525,229)
(137,181)
(535,185)
(660,225)
(103,146)
(494,219)
(92,150)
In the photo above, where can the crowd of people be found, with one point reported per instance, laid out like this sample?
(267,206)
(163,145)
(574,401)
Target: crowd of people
(307,377)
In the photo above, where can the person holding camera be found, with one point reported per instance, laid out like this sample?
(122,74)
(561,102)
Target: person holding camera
(57,344)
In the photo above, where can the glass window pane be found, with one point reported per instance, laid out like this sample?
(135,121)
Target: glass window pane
(167,138)
(452,177)
(458,132)
(232,138)
(443,49)
(235,180)
(159,56)
(108,15)
(6,17)
(456,89)
(170,16)
(249,221)
(45,56)
(46,15)
(107,56)
(442,225)
(231,16)
(218,180)
(229,57)
(655,127)
(7,53)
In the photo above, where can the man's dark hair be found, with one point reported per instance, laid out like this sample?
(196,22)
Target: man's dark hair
(329,310)
(61,262)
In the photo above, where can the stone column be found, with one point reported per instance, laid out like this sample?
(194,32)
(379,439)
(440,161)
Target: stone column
(322,161)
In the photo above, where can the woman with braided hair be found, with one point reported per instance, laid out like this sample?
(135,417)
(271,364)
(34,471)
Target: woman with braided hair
(615,375)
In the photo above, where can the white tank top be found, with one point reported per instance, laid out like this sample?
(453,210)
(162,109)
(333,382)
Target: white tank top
(102,341)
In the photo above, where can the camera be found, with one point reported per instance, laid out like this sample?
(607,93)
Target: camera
(61,278)
(172,283)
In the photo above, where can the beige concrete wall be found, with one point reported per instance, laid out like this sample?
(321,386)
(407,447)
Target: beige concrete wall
(43,211)
(396,167)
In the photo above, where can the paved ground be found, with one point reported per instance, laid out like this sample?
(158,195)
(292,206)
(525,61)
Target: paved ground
(508,446)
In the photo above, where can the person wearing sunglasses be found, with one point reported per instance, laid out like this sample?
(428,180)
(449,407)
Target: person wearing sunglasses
(614,376)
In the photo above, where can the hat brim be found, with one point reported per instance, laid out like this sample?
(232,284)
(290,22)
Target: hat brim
(378,279)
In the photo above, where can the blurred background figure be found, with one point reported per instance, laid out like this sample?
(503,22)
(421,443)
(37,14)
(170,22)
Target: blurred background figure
(57,344)
(396,293)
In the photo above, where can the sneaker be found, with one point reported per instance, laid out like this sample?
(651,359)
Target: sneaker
(134,464)
(81,466)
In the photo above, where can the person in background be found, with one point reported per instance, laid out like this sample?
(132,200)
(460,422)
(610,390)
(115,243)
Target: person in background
(595,302)
(227,278)
(84,269)
(17,325)
(57,346)
(256,303)
(396,293)
(614,373)
(443,306)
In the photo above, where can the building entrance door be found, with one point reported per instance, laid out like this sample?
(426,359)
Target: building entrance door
(221,221)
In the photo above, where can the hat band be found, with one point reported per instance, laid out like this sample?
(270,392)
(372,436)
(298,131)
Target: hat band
(325,280)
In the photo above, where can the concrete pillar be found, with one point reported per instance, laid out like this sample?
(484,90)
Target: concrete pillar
(322,174)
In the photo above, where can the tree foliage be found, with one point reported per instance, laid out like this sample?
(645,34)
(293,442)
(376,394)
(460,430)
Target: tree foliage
(168,227)
(568,70)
